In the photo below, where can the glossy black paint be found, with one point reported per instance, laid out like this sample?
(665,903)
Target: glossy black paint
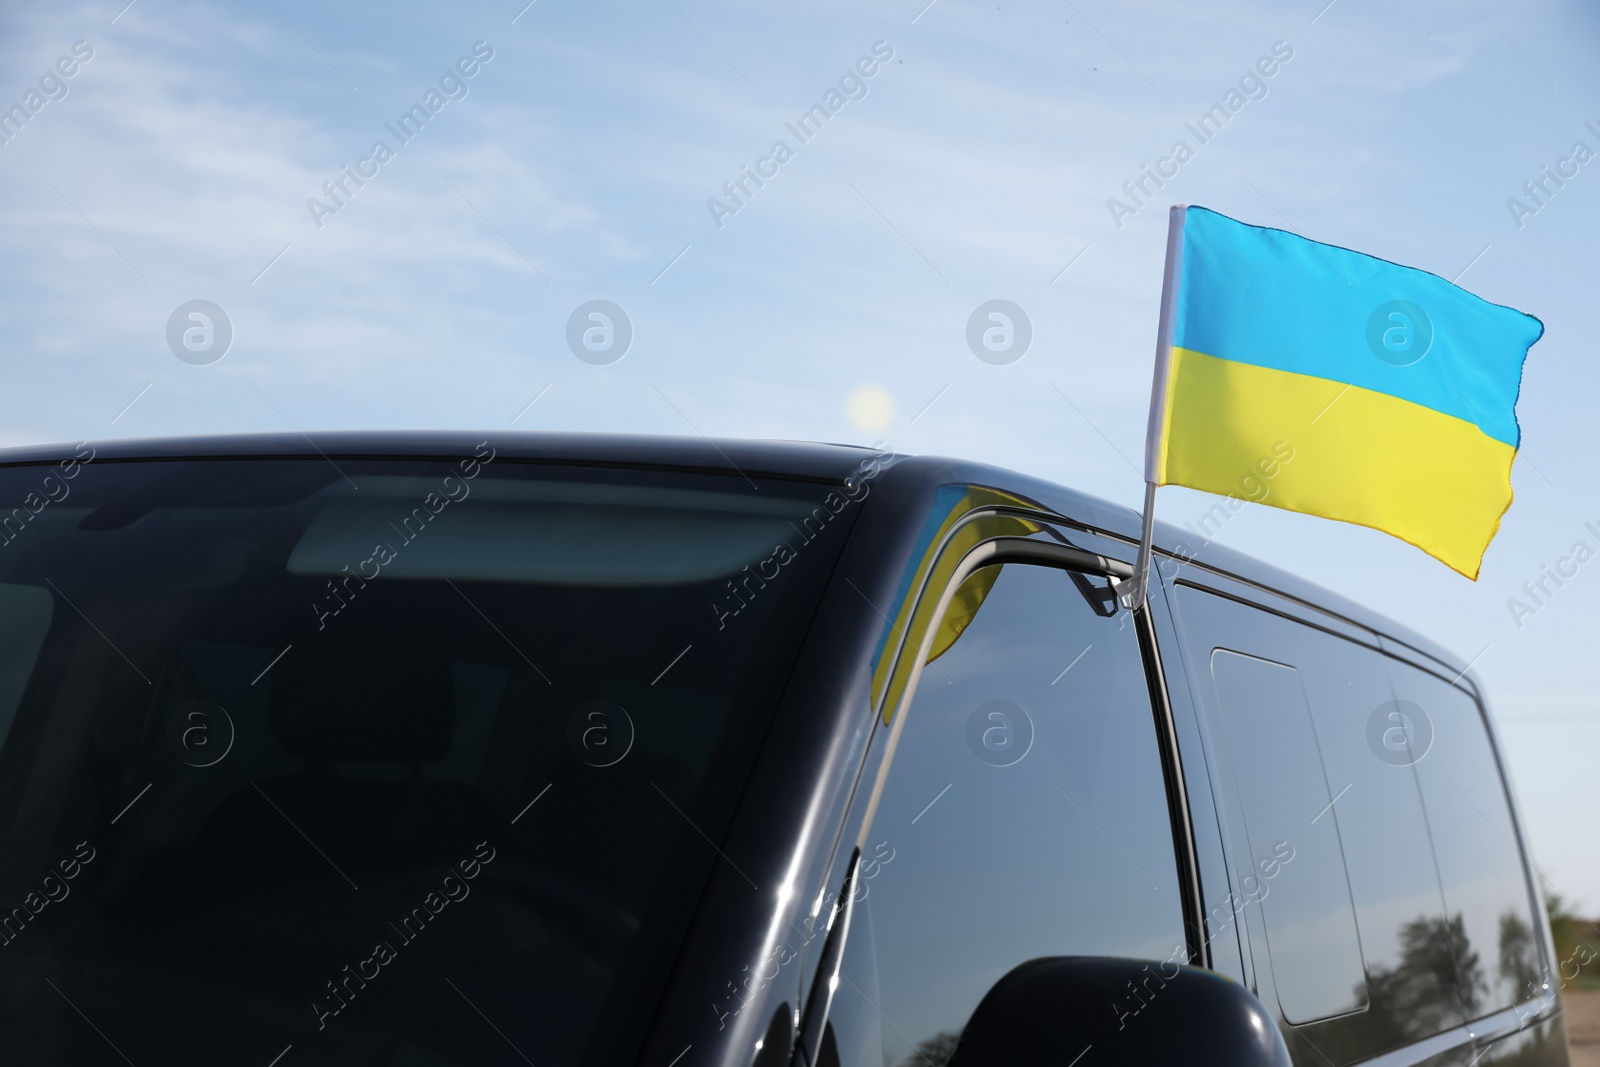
(1127,1013)
(778,459)
(751,953)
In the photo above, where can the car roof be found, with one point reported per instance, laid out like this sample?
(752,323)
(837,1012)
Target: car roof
(791,460)
(780,459)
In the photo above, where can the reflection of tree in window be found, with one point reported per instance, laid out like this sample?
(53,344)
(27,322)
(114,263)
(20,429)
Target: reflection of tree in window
(1519,963)
(1434,954)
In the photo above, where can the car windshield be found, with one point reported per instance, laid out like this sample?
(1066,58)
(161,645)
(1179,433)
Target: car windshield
(393,762)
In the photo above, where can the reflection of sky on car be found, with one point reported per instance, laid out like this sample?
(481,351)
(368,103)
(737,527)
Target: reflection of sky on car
(974,165)
(1074,828)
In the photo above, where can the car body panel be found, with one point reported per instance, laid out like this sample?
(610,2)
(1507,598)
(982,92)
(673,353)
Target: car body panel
(751,951)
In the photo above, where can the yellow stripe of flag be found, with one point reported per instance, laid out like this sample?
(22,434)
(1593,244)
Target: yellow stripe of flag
(1356,455)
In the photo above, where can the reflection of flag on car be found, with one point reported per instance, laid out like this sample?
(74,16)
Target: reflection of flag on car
(1395,389)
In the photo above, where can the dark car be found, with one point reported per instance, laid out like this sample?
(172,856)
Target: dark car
(409,749)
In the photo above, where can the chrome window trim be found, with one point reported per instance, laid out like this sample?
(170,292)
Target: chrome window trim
(1481,1034)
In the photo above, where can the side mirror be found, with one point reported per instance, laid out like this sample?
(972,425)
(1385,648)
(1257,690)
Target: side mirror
(1132,1012)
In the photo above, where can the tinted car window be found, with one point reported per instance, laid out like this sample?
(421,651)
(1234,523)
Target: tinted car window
(1255,678)
(1490,919)
(1420,959)
(393,763)
(1024,815)
(1388,852)
(1295,869)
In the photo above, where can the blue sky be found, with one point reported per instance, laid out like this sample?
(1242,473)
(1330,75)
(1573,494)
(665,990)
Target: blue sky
(833,304)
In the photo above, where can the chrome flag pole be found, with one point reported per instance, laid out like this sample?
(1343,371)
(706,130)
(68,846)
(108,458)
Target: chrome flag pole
(1170,277)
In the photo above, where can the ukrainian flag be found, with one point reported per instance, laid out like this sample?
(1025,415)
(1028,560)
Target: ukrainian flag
(1393,390)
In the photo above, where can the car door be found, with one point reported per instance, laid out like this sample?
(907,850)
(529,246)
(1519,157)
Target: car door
(1020,812)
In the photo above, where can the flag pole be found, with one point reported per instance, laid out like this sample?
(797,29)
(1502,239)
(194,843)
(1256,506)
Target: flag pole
(1141,566)
(1153,444)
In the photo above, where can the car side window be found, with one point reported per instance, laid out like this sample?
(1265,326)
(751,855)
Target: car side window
(1382,780)
(1024,815)
(1291,862)
(1261,685)
(1388,850)
(1490,926)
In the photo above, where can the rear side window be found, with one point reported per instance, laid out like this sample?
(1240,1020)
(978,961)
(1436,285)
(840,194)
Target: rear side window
(1313,947)
(1388,851)
(1382,779)
(1489,930)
